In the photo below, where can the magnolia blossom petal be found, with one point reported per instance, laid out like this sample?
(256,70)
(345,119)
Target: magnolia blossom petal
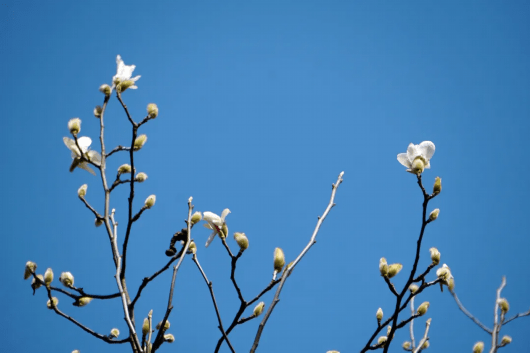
(225,213)
(94,157)
(412,152)
(207,225)
(211,238)
(212,218)
(404,159)
(427,150)
(84,165)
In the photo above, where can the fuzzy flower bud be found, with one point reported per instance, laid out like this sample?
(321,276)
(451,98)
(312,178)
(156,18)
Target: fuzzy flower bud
(478,347)
(152,110)
(406,345)
(242,241)
(123,85)
(422,309)
(141,177)
(381,340)
(192,249)
(76,351)
(388,329)
(505,306)
(114,333)
(74,125)
(81,192)
(279,259)
(29,269)
(196,217)
(150,201)
(383,267)
(394,270)
(98,222)
(124,169)
(139,142)
(105,89)
(413,288)
(48,277)
(145,327)
(437,188)
(166,326)
(506,340)
(418,165)
(451,283)
(434,214)
(55,302)
(258,309)
(37,283)
(83,301)
(425,345)
(97,111)
(67,279)
(435,256)
(169,338)
(379,315)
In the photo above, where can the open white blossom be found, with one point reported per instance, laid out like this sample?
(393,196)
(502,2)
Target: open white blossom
(417,157)
(216,224)
(84,143)
(124,73)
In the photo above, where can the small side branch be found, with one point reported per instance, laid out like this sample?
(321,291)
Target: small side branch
(117,149)
(425,336)
(497,324)
(468,314)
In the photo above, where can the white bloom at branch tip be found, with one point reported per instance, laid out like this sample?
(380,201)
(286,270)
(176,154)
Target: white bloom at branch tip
(55,302)
(123,74)
(141,177)
(166,326)
(241,240)
(84,143)
(48,277)
(150,201)
(434,214)
(383,267)
(139,142)
(29,269)
(258,309)
(124,169)
(505,306)
(169,338)
(417,158)
(216,224)
(36,284)
(435,256)
(152,110)
(422,309)
(478,347)
(81,192)
(74,125)
(114,333)
(506,340)
(67,279)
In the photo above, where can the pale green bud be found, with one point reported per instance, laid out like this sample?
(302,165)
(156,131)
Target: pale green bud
(435,256)
(406,345)
(418,165)
(81,192)
(379,315)
(105,89)
(83,301)
(434,214)
(114,333)
(98,222)
(29,269)
(279,259)
(196,217)
(169,338)
(97,111)
(258,309)
(67,279)
(437,188)
(422,309)
(76,351)
(242,241)
(381,340)
(74,125)
(139,142)
(145,327)
(394,270)
(192,249)
(123,85)
(478,347)
(224,231)
(36,284)
(506,340)
(413,288)
(48,277)
(388,329)
(505,306)
(124,169)
(166,326)
(451,283)
(152,110)
(55,302)
(141,177)
(425,345)
(383,267)
(150,201)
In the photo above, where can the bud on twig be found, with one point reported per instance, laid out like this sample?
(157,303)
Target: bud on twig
(478,347)
(279,260)
(98,222)
(141,177)
(145,327)
(425,345)
(152,110)
(166,326)
(48,277)
(139,142)
(435,256)
(105,89)
(97,111)
(381,340)
(55,302)
(196,217)
(74,125)
(394,270)
(150,201)
(383,267)
(437,188)
(114,333)
(258,309)
(29,269)
(124,169)
(422,309)
(505,306)
(67,279)
(413,288)
(81,192)
(242,241)
(506,340)
(36,284)
(83,301)
(434,214)
(379,315)
(192,249)
(169,338)
(406,345)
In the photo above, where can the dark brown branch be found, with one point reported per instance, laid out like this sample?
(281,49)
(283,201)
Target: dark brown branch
(96,214)
(118,181)
(391,286)
(116,149)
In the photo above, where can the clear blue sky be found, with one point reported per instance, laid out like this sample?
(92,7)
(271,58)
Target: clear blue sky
(262,104)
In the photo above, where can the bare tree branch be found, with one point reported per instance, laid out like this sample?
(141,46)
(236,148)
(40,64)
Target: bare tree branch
(497,324)
(468,314)
(425,336)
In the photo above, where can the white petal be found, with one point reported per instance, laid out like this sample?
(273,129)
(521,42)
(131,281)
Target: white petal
(403,159)
(412,152)
(212,218)
(94,157)
(210,238)
(207,225)
(84,142)
(84,165)
(225,213)
(427,149)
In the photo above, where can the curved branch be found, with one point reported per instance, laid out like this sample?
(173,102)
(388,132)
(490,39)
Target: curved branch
(468,314)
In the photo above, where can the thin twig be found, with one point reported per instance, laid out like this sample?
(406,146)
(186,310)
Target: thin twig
(82,198)
(496,323)
(527,313)
(391,286)
(425,336)
(411,327)
(468,314)
(116,149)
(288,271)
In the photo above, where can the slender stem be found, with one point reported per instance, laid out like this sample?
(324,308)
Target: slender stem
(468,314)
(116,149)
(411,327)
(496,323)
(425,336)
(82,198)
(527,313)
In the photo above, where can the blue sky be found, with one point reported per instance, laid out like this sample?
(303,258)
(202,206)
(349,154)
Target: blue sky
(262,104)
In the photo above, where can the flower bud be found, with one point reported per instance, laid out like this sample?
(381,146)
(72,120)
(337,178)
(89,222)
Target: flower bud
(437,188)
(379,315)
(150,201)
(169,338)
(258,309)
(76,351)
(105,89)
(166,326)
(506,340)
(381,340)
(434,214)
(394,270)
(418,165)
(83,301)
(478,347)
(124,169)
(74,125)
(114,333)
(97,111)
(123,85)
(242,241)
(406,345)
(152,110)
(224,231)
(505,306)
(425,345)
(141,177)
(422,309)
(48,277)
(435,256)
(196,217)
(67,279)
(29,269)
(383,267)
(36,284)
(388,329)
(145,327)
(451,283)
(192,249)
(139,142)
(279,259)
(55,302)
(443,272)
(81,192)
(413,288)
(98,222)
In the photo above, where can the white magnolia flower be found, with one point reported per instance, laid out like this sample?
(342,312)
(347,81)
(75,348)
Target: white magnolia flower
(84,143)
(124,73)
(216,224)
(417,157)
